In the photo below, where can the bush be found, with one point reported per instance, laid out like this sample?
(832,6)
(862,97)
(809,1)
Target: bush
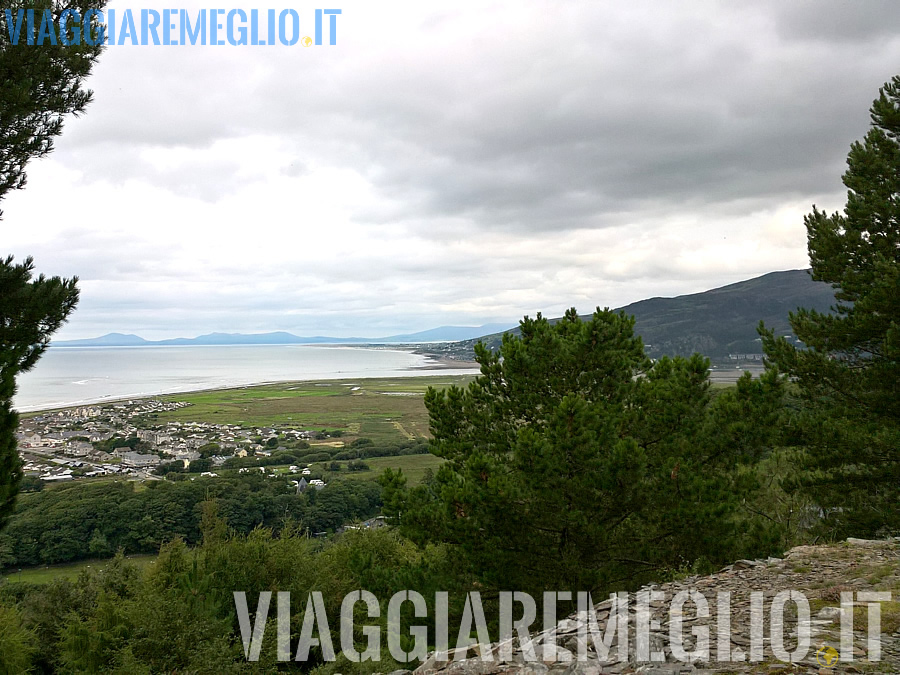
(16,643)
(209,449)
(31,484)
(169,467)
(200,465)
(316,457)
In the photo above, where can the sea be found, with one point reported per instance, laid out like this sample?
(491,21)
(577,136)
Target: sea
(68,376)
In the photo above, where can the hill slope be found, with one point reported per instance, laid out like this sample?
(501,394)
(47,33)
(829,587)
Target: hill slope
(723,321)
(819,573)
(720,321)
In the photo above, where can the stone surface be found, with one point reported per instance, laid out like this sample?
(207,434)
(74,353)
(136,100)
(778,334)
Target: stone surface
(821,573)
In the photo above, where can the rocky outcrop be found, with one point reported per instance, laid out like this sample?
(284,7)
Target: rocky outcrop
(821,573)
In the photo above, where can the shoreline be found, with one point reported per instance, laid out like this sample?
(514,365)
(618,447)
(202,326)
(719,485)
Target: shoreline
(432,365)
(441,369)
(445,363)
(420,363)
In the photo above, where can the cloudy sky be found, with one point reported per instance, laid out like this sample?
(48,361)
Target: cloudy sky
(452,163)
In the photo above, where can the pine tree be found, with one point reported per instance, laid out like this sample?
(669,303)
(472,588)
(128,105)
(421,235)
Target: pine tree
(848,371)
(39,86)
(574,461)
(31,310)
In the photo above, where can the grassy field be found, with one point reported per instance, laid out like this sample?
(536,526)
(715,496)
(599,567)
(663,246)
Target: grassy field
(413,467)
(43,575)
(386,409)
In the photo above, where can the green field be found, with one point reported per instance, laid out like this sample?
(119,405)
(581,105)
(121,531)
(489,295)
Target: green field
(43,575)
(384,409)
(413,467)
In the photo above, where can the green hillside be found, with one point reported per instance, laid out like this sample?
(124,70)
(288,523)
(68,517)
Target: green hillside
(720,321)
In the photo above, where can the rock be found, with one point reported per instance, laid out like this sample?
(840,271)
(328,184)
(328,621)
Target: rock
(853,541)
(817,571)
(829,613)
(747,564)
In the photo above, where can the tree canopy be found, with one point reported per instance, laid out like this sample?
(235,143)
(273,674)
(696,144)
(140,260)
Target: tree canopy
(39,86)
(31,310)
(848,369)
(574,461)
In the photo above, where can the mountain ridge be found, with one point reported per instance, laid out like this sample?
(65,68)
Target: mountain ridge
(441,333)
(718,323)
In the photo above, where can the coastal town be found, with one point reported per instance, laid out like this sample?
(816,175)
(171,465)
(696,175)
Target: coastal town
(122,439)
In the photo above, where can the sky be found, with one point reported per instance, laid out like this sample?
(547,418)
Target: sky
(451,163)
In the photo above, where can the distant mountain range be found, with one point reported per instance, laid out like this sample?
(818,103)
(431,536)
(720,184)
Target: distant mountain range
(442,334)
(715,323)
(718,322)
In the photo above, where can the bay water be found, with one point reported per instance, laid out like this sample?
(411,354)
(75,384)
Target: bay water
(67,376)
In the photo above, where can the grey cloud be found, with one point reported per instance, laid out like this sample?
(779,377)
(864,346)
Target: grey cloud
(536,137)
(837,20)
(520,138)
